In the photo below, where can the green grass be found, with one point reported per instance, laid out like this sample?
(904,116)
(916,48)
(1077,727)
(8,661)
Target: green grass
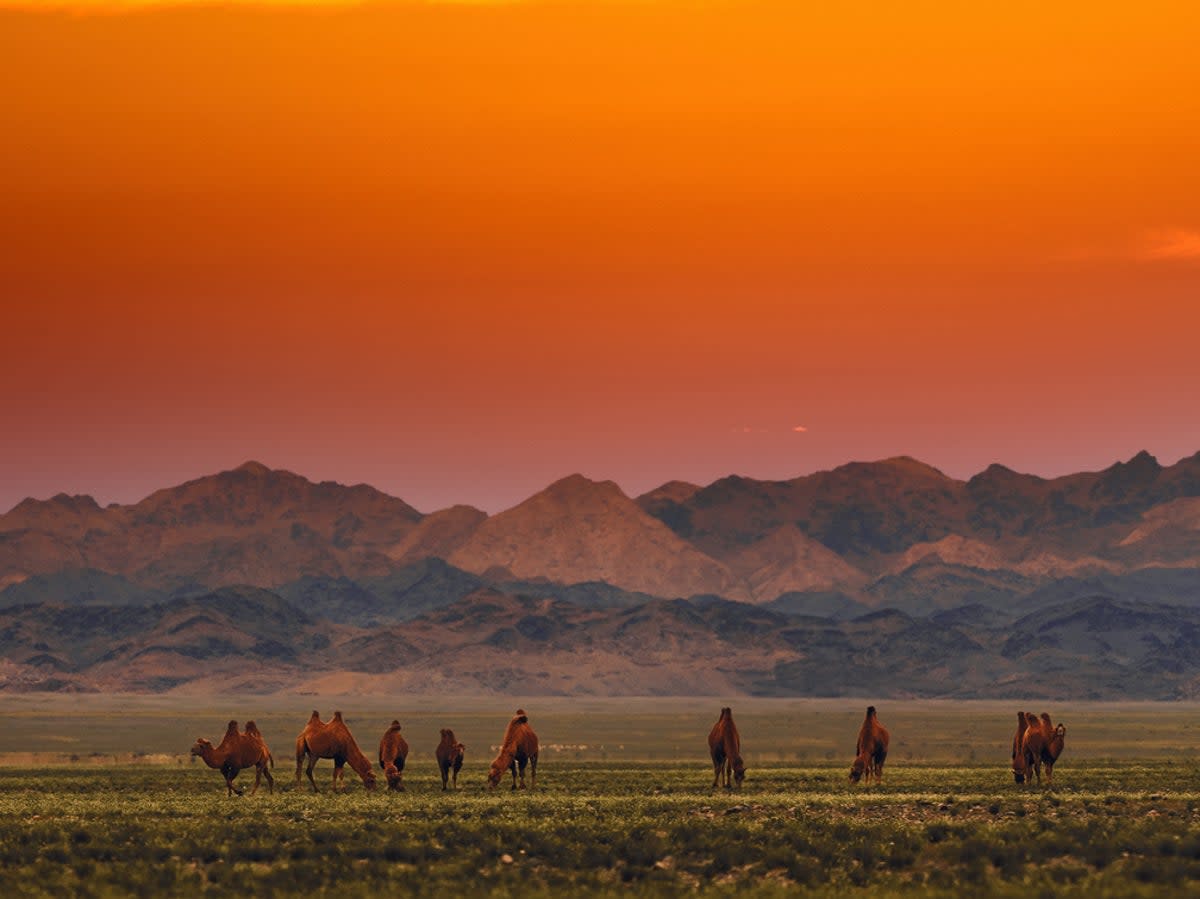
(606,829)
(623,807)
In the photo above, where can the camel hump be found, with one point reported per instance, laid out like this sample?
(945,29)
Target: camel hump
(446,733)
(395,724)
(232,725)
(1020,717)
(522,719)
(251,727)
(315,716)
(337,716)
(870,711)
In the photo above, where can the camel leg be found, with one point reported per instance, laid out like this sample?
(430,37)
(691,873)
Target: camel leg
(270,780)
(230,774)
(1049,773)
(312,763)
(445,766)
(532,771)
(257,779)
(339,774)
(512,767)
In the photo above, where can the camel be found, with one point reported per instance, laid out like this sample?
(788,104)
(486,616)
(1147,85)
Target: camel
(1018,752)
(871,750)
(449,756)
(1032,744)
(236,752)
(725,747)
(331,740)
(519,746)
(1053,739)
(393,750)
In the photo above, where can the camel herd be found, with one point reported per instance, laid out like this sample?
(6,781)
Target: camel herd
(1037,743)
(240,750)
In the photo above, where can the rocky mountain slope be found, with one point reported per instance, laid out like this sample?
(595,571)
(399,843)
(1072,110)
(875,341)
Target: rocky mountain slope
(884,577)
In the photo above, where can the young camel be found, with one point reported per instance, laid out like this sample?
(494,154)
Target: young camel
(236,752)
(331,740)
(449,757)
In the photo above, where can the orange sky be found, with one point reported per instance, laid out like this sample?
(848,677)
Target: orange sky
(460,250)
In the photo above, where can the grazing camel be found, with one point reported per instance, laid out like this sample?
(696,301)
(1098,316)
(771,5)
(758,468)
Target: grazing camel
(871,750)
(236,752)
(1018,752)
(393,750)
(449,756)
(519,746)
(331,740)
(725,747)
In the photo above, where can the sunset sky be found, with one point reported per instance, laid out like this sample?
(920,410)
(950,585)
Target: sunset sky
(459,250)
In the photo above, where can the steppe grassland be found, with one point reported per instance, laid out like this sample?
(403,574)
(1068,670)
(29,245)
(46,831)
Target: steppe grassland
(1114,824)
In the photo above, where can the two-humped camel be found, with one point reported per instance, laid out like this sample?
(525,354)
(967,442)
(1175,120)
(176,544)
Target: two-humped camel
(238,751)
(1041,743)
(331,740)
(519,746)
(393,750)
(449,757)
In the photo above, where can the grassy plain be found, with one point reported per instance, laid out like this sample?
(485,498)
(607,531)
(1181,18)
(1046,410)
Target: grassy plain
(623,806)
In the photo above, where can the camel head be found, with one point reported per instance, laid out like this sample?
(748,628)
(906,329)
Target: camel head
(858,769)
(495,773)
(392,774)
(201,746)
(739,770)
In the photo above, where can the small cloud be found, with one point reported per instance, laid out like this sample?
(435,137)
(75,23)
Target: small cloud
(1169,244)
(800,429)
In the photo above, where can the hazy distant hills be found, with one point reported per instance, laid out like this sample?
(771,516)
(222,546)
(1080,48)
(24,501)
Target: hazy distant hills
(884,578)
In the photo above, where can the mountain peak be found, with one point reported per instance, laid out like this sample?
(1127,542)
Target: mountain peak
(575,486)
(253,468)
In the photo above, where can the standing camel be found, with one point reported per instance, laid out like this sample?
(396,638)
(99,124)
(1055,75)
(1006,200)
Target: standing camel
(331,740)
(236,752)
(449,757)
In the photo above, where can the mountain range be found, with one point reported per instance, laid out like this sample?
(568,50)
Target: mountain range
(881,578)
